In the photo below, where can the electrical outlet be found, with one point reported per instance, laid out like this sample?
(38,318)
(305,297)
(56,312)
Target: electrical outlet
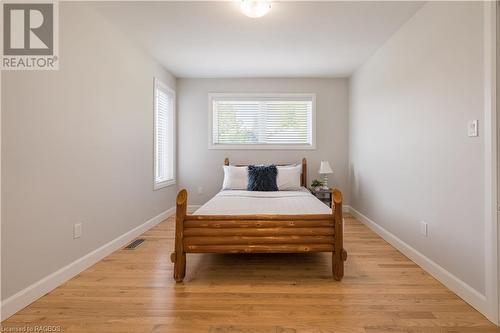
(77,230)
(472,128)
(200,190)
(423,228)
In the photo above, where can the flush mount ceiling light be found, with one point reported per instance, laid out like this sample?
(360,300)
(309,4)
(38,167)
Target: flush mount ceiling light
(255,8)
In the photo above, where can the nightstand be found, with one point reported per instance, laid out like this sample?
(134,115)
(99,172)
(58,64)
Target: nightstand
(325,195)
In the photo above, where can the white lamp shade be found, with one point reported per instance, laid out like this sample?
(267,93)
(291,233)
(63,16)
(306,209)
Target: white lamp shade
(325,168)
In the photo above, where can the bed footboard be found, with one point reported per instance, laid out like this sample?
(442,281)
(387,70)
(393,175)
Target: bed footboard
(258,234)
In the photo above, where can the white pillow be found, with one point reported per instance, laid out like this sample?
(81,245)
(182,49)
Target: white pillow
(235,178)
(289,177)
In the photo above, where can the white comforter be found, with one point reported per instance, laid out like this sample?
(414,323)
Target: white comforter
(232,202)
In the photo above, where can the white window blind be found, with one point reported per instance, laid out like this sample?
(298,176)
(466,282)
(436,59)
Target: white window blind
(279,121)
(164,104)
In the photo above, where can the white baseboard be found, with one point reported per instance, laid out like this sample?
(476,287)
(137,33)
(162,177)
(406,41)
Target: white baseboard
(459,287)
(30,294)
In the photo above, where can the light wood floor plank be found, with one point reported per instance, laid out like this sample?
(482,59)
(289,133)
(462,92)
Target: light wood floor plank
(133,291)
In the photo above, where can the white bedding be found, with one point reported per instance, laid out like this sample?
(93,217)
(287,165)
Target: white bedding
(236,202)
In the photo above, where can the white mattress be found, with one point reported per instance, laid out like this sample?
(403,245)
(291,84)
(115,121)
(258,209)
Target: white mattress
(233,202)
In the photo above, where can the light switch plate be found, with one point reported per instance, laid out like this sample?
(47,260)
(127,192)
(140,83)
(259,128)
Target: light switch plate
(472,128)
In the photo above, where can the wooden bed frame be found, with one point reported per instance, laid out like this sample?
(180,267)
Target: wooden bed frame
(259,233)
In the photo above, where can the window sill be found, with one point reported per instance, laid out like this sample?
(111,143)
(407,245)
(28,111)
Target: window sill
(158,186)
(263,147)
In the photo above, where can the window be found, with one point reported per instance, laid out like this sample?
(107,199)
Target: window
(262,121)
(164,135)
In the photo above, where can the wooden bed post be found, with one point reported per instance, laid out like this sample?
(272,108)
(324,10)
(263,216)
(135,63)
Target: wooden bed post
(179,256)
(339,255)
(303,179)
(226,161)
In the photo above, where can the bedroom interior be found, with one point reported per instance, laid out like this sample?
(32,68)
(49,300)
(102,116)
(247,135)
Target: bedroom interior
(287,166)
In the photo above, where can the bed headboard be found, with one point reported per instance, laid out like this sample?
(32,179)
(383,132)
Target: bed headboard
(303,175)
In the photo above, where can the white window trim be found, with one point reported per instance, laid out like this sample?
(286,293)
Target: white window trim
(212,96)
(159,185)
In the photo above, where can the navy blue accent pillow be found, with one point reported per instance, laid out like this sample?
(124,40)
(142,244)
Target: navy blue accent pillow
(262,178)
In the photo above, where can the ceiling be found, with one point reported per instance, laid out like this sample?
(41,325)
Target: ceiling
(295,39)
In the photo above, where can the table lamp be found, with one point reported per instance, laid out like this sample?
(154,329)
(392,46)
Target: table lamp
(324,170)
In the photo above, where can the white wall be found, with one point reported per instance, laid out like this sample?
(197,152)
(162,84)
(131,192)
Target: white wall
(497,114)
(201,167)
(410,157)
(77,146)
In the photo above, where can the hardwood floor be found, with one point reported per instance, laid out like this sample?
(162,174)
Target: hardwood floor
(133,291)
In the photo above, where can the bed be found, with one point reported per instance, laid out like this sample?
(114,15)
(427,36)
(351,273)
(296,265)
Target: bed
(260,222)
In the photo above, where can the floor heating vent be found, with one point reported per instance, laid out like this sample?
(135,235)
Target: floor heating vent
(134,244)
